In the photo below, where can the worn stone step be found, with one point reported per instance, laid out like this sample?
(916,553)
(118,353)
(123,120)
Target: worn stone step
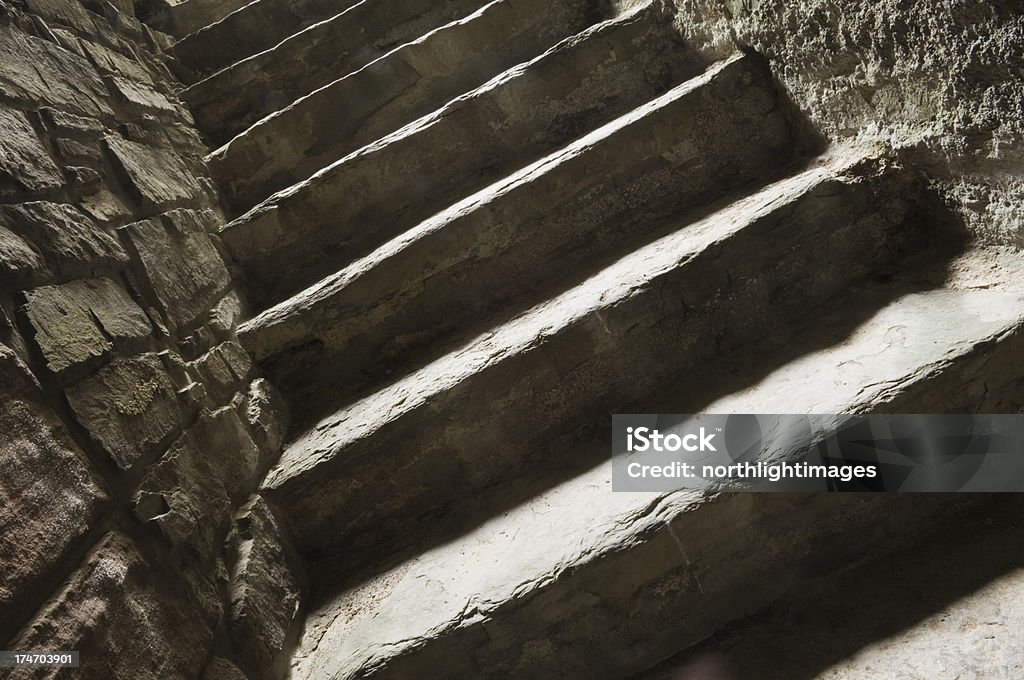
(407,83)
(644,164)
(598,197)
(531,109)
(542,590)
(252,28)
(234,98)
(378,469)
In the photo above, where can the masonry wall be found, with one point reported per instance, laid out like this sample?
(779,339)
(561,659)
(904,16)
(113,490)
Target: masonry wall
(133,428)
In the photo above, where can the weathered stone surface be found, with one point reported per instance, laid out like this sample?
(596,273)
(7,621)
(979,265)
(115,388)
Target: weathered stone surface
(266,587)
(632,328)
(223,370)
(184,268)
(24,163)
(662,562)
(234,98)
(40,464)
(619,185)
(38,71)
(267,414)
(253,28)
(142,98)
(411,81)
(71,14)
(582,82)
(71,243)
(188,494)
(220,668)
(82,321)
(126,615)
(20,264)
(158,178)
(129,407)
(114,62)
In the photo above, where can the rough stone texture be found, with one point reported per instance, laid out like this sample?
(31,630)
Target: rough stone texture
(948,605)
(234,98)
(266,411)
(266,589)
(39,71)
(509,243)
(158,178)
(129,407)
(510,391)
(40,463)
(126,615)
(189,493)
(407,83)
(20,264)
(255,27)
(220,668)
(70,242)
(943,79)
(24,163)
(184,269)
(82,321)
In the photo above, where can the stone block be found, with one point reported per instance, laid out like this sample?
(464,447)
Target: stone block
(140,97)
(72,244)
(129,407)
(114,62)
(157,178)
(266,586)
(129,619)
(40,463)
(220,668)
(20,264)
(267,414)
(81,321)
(188,494)
(37,71)
(223,370)
(185,270)
(24,163)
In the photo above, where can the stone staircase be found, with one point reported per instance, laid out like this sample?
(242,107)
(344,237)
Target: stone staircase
(472,230)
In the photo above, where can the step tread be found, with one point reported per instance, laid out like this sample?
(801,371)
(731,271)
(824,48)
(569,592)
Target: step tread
(230,100)
(633,272)
(411,81)
(284,227)
(511,558)
(532,108)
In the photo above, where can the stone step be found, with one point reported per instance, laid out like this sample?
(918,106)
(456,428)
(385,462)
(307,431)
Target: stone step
(234,98)
(530,110)
(407,83)
(249,30)
(600,196)
(580,582)
(649,161)
(372,473)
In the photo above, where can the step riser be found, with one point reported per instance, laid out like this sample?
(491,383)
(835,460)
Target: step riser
(589,80)
(231,100)
(409,82)
(722,295)
(593,196)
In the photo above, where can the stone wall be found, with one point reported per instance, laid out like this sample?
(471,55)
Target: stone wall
(134,429)
(944,80)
